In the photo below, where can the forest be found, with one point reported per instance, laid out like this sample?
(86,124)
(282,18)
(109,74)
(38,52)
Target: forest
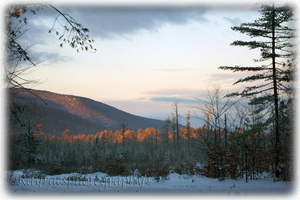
(248,133)
(215,150)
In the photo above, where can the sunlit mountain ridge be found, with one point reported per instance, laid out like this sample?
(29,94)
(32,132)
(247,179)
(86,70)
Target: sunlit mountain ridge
(80,115)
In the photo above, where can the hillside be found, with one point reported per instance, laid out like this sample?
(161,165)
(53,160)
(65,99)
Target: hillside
(78,114)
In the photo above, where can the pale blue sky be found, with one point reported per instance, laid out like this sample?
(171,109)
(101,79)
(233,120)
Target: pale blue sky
(145,55)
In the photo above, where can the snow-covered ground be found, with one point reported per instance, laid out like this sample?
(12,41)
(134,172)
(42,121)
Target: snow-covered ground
(175,184)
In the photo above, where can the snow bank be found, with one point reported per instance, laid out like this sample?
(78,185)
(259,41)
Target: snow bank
(75,183)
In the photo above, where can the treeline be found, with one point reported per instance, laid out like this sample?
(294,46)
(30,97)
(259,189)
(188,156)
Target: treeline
(210,150)
(151,151)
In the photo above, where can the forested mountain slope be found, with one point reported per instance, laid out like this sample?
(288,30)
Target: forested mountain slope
(78,114)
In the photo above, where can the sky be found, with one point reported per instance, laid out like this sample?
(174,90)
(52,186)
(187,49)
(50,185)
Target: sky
(147,54)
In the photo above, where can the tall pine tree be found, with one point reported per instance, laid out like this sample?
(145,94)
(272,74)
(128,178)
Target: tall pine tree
(274,42)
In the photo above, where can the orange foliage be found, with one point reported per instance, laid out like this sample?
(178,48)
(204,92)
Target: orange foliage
(52,138)
(13,134)
(17,12)
(37,130)
(184,132)
(171,135)
(140,136)
(129,135)
(241,131)
(118,137)
(66,135)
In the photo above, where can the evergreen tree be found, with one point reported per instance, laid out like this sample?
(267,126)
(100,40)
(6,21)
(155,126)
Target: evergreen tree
(30,144)
(277,46)
(188,131)
(175,121)
(123,130)
(96,153)
(165,140)
(165,132)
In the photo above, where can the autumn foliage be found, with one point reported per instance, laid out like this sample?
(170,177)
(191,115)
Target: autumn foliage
(150,151)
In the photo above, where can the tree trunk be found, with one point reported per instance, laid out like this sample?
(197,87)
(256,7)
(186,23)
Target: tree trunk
(277,150)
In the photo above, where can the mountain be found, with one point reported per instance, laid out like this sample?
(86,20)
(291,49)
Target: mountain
(78,114)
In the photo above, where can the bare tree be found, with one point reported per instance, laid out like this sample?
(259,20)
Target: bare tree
(18,62)
(214,106)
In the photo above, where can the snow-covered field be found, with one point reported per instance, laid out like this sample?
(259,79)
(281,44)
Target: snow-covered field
(175,184)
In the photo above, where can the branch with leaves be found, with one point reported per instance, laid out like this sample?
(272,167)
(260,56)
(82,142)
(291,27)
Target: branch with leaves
(18,62)
(74,33)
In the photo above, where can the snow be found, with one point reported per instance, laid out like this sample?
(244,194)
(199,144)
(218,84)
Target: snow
(174,184)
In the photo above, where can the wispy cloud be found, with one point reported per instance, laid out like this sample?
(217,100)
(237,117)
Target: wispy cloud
(50,58)
(173,92)
(171,69)
(250,7)
(234,21)
(171,100)
(190,95)
(230,75)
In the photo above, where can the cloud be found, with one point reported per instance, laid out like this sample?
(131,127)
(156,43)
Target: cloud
(106,22)
(171,100)
(49,58)
(254,7)
(246,7)
(113,21)
(230,75)
(171,69)
(234,21)
(173,92)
